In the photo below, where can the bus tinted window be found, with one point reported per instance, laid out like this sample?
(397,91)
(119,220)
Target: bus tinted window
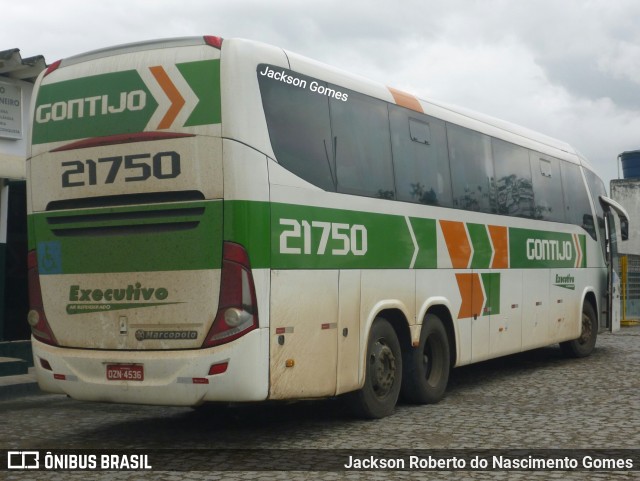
(576,199)
(547,187)
(338,139)
(298,123)
(471,169)
(514,187)
(362,146)
(596,186)
(420,158)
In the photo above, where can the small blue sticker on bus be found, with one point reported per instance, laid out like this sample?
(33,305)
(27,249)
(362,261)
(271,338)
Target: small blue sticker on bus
(50,257)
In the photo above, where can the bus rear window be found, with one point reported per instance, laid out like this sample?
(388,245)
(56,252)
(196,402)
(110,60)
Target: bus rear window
(298,123)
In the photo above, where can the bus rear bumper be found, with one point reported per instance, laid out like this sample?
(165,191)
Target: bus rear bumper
(172,378)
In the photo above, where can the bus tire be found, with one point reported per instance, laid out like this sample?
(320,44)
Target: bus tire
(426,367)
(583,346)
(383,374)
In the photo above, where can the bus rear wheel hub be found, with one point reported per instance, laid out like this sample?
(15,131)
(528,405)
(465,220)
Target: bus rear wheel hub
(383,366)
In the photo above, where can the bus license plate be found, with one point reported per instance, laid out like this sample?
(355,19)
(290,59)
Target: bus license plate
(125,372)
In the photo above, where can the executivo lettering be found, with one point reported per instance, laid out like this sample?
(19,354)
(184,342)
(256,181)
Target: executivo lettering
(566,282)
(86,300)
(133,292)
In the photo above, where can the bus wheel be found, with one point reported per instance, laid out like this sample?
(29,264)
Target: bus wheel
(383,374)
(426,367)
(583,346)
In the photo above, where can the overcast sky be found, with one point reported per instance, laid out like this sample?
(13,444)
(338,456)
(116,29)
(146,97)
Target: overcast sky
(567,68)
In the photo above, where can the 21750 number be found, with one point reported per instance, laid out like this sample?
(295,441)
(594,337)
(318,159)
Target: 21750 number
(135,168)
(304,237)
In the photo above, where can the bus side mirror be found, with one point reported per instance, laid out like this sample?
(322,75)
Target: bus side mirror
(610,204)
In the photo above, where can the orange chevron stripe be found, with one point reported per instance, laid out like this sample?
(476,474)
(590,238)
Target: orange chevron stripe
(471,293)
(455,236)
(500,241)
(406,100)
(177,101)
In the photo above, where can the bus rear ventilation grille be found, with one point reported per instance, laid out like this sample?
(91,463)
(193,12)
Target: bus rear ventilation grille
(126,223)
(125,199)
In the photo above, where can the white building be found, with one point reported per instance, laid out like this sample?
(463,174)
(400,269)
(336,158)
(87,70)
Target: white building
(627,193)
(16,84)
(17,76)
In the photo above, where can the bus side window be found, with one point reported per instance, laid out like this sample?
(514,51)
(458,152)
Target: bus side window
(471,169)
(576,199)
(547,188)
(596,187)
(298,123)
(360,127)
(420,158)
(513,179)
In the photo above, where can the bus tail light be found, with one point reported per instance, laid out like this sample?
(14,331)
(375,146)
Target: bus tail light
(213,41)
(36,318)
(54,66)
(237,308)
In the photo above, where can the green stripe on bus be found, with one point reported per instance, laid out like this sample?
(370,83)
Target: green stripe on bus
(491,283)
(304,237)
(130,239)
(287,236)
(539,249)
(247,223)
(482,250)
(583,246)
(426,237)
(276,235)
(100,105)
(204,79)
(122,103)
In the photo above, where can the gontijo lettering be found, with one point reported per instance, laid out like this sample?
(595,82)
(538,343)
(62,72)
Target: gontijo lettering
(91,106)
(549,249)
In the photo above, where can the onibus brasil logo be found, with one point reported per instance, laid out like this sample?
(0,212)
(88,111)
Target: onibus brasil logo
(85,300)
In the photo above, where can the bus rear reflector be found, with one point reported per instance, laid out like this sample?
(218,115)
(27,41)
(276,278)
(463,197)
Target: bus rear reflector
(218,368)
(45,365)
(237,307)
(36,318)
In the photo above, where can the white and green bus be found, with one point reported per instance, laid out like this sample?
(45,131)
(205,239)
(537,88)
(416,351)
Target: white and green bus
(228,221)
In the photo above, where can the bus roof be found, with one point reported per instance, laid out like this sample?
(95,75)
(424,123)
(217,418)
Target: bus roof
(507,126)
(133,47)
(448,112)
